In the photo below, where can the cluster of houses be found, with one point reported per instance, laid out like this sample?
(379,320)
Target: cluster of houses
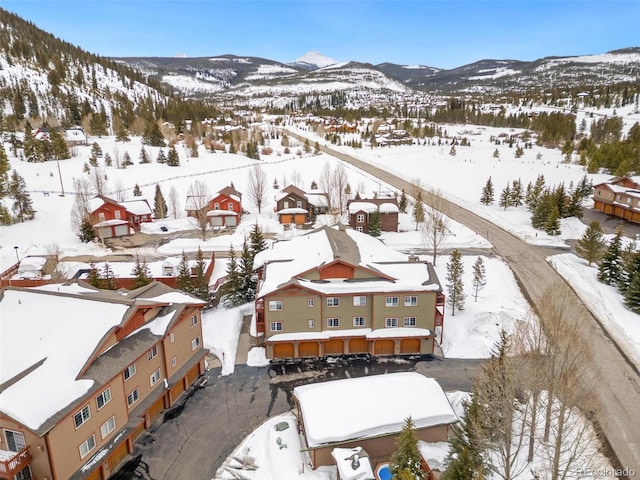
(619,197)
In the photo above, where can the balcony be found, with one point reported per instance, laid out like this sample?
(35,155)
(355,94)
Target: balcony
(12,463)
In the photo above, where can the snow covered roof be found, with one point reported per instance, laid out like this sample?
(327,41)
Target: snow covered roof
(287,260)
(332,411)
(318,199)
(221,213)
(352,463)
(397,332)
(36,340)
(362,207)
(110,223)
(389,208)
(137,207)
(32,264)
(95,203)
(291,211)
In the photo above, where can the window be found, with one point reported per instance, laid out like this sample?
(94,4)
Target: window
(152,353)
(216,206)
(230,206)
(311,323)
(108,427)
(390,322)
(195,343)
(194,321)
(15,440)
(333,322)
(359,229)
(103,398)
(391,302)
(409,321)
(172,337)
(333,301)
(285,204)
(129,372)
(410,301)
(360,218)
(82,416)
(133,397)
(276,326)
(155,377)
(118,214)
(174,361)
(299,204)
(310,302)
(88,445)
(359,300)
(359,321)
(275,305)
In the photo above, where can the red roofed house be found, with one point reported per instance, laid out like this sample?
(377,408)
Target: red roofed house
(114,219)
(223,210)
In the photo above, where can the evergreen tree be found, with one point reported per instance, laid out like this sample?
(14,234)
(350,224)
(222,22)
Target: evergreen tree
(455,287)
(452,151)
(141,273)
(152,135)
(231,289)
(22,205)
(108,278)
(122,135)
(96,150)
(632,294)
(316,149)
(516,196)
(276,185)
(630,266)
(183,279)
(162,158)
(87,233)
(256,240)
(173,160)
(464,460)
(574,207)
(375,223)
(560,197)
(144,156)
(107,160)
(534,193)
(406,460)
(552,225)
(4,171)
(159,204)
(314,185)
(487,193)
(200,287)
(248,284)
(307,146)
(97,125)
(403,203)
(59,147)
(93,278)
(136,191)
(592,244)
(126,160)
(496,153)
(479,276)
(418,210)
(505,197)
(543,210)
(610,268)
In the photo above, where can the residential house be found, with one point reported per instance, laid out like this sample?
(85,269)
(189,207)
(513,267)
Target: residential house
(619,197)
(336,291)
(355,413)
(77,388)
(75,136)
(111,218)
(294,205)
(360,213)
(223,210)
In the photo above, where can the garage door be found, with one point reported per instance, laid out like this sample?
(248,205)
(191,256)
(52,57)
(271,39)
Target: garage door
(177,390)
(122,230)
(230,221)
(308,349)
(358,345)
(334,346)
(286,218)
(193,374)
(156,408)
(104,232)
(95,475)
(283,350)
(410,345)
(384,347)
(299,219)
(216,221)
(117,456)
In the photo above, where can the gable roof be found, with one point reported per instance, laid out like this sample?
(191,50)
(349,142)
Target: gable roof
(230,191)
(99,200)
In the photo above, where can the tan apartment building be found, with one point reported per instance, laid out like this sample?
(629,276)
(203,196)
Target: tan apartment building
(336,291)
(85,372)
(619,197)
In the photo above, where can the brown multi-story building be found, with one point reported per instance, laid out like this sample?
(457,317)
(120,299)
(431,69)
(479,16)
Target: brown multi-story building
(85,372)
(294,205)
(619,197)
(360,213)
(336,291)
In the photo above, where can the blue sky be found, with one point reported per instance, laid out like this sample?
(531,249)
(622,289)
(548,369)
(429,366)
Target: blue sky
(437,33)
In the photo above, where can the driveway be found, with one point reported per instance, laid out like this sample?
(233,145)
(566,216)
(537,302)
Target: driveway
(193,442)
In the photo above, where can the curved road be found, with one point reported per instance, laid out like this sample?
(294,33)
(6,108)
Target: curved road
(619,378)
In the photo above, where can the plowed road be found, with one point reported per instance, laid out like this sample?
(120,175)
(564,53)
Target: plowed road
(619,379)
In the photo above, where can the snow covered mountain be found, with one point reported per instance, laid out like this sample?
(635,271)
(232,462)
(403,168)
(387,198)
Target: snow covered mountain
(313,60)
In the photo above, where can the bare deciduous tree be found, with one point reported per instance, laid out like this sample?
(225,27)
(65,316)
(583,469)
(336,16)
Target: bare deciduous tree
(98,179)
(327,185)
(119,190)
(435,226)
(257,186)
(340,181)
(199,204)
(174,202)
(80,209)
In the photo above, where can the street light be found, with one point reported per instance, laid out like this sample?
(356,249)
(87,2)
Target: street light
(17,257)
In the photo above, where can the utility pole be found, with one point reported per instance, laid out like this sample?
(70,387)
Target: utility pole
(60,175)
